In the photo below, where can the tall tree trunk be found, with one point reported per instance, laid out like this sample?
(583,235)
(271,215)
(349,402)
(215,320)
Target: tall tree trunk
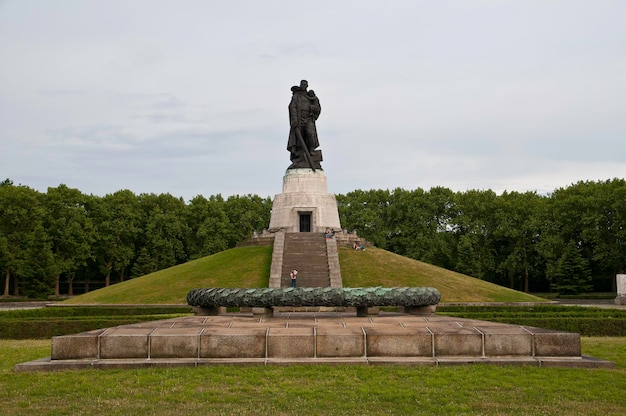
(525,271)
(7,279)
(16,286)
(107,279)
(526,286)
(70,284)
(57,284)
(57,281)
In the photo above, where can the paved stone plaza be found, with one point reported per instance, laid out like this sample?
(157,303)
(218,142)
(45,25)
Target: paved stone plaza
(314,338)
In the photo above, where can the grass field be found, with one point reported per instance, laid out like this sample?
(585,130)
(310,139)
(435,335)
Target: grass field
(315,390)
(311,390)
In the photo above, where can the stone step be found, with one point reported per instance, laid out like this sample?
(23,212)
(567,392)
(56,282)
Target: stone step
(307,253)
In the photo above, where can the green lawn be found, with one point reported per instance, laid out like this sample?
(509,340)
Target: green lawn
(238,267)
(315,390)
(376,267)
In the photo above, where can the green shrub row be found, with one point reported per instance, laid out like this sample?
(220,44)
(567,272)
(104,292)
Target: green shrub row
(40,329)
(48,328)
(60,312)
(520,314)
(589,327)
(584,320)
(48,322)
(592,295)
(44,323)
(539,309)
(609,295)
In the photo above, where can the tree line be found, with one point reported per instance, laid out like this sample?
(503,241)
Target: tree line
(570,241)
(64,236)
(64,241)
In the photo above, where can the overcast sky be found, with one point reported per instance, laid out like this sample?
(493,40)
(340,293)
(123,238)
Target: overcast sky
(190,97)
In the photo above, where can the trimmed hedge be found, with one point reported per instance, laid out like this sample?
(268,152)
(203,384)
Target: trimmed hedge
(589,327)
(46,323)
(55,311)
(539,308)
(592,295)
(586,321)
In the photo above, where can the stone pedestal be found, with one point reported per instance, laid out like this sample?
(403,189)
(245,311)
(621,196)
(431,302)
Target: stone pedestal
(305,204)
(621,289)
(313,338)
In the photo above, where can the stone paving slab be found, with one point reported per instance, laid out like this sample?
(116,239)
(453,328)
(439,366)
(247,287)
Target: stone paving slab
(314,338)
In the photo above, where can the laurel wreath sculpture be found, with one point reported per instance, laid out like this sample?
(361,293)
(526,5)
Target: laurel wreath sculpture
(314,296)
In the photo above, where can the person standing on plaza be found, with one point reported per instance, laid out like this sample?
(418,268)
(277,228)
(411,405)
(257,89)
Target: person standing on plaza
(294,276)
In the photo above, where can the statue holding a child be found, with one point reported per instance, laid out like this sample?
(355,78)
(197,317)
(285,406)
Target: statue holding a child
(304,109)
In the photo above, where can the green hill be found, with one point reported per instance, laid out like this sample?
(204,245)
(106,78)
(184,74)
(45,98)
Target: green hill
(250,267)
(376,267)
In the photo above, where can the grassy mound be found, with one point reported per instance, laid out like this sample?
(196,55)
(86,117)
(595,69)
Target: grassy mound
(376,267)
(250,267)
(238,267)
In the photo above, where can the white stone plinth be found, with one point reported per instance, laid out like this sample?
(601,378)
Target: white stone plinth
(621,284)
(621,289)
(304,193)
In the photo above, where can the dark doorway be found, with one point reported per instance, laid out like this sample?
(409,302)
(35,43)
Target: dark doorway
(305,222)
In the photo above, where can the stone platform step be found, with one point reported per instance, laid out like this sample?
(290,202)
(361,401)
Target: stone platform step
(314,338)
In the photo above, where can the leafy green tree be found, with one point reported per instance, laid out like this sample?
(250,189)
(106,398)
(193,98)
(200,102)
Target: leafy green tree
(162,242)
(209,226)
(407,218)
(70,231)
(5,266)
(572,274)
(366,212)
(116,218)
(473,224)
(246,214)
(592,215)
(441,244)
(608,229)
(418,224)
(467,260)
(518,227)
(24,245)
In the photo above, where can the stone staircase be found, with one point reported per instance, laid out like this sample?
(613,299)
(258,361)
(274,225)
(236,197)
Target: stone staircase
(307,253)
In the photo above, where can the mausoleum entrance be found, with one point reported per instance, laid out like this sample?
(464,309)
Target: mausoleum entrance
(305,222)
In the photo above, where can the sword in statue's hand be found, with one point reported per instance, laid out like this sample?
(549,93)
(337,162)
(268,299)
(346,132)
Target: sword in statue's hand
(305,149)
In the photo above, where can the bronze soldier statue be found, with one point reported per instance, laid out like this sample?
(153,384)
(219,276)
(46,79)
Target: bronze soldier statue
(304,109)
